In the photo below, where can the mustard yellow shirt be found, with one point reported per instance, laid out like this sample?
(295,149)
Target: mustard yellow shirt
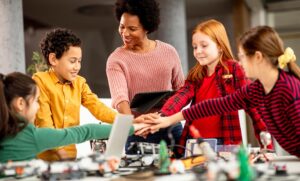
(60,106)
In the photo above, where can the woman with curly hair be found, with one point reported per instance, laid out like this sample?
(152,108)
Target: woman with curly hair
(141,64)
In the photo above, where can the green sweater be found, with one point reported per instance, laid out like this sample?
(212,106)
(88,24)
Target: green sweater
(31,140)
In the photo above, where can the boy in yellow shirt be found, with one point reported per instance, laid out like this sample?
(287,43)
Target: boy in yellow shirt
(63,90)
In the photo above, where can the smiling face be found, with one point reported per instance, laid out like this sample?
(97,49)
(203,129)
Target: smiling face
(67,67)
(205,50)
(131,31)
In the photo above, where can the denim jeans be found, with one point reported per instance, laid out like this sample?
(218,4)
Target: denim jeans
(156,137)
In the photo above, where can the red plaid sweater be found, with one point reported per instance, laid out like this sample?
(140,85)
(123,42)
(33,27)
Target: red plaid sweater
(226,84)
(280,108)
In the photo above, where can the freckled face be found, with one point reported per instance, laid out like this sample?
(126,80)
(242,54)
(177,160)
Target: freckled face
(205,50)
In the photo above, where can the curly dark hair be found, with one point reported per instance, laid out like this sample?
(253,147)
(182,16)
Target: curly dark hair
(146,10)
(58,41)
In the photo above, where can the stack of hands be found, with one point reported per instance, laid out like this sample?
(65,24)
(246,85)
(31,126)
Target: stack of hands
(149,123)
(143,125)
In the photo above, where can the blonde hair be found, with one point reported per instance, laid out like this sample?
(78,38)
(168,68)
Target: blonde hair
(217,33)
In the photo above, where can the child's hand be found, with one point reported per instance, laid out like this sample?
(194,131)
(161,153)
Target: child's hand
(161,122)
(141,129)
(145,118)
(62,154)
(140,126)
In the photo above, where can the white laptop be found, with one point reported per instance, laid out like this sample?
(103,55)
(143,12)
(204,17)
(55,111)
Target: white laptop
(118,135)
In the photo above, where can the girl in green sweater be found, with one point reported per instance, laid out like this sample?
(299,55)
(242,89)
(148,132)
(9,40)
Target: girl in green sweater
(19,138)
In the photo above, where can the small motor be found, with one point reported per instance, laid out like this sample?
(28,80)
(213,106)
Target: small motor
(98,145)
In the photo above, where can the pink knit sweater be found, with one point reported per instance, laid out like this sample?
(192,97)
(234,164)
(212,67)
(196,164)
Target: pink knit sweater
(130,73)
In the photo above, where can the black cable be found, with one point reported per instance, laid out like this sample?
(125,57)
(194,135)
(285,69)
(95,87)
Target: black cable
(172,140)
(183,147)
(170,136)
